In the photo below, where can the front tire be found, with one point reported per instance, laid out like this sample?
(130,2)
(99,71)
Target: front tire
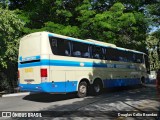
(82,89)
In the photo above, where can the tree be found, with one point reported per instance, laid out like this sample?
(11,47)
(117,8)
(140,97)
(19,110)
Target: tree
(152,43)
(111,21)
(123,22)
(125,29)
(153,11)
(154,37)
(10,31)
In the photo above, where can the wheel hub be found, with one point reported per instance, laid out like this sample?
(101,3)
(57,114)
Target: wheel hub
(83,89)
(97,88)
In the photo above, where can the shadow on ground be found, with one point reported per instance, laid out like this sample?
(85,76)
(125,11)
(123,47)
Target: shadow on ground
(46,97)
(110,102)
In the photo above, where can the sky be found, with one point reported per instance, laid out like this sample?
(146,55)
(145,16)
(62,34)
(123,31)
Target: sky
(154,28)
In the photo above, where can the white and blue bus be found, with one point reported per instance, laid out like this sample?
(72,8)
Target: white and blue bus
(54,63)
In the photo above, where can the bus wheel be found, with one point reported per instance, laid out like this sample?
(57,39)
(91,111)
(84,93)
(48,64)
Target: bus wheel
(143,80)
(82,89)
(97,88)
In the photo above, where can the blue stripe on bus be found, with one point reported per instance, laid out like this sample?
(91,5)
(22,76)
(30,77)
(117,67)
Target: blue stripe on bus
(71,86)
(46,62)
(109,83)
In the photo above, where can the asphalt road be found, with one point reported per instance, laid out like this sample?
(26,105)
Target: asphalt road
(113,103)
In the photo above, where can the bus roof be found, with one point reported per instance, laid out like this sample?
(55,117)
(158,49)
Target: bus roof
(101,43)
(69,38)
(112,46)
(125,49)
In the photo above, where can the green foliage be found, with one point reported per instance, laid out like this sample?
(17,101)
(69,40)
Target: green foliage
(157,34)
(119,21)
(10,31)
(153,10)
(113,26)
(152,43)
(4,83)
(61,29)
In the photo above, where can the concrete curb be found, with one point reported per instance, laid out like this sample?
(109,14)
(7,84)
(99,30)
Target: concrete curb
(18,94)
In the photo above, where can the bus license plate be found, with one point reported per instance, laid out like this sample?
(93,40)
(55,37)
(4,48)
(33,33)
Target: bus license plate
(28,70)
(29,81)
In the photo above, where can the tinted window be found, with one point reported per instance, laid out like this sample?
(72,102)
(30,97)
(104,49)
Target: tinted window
(60,46)
(111,54)
(124,56)
(139,58)
(80,50)
(76,49)
(104,53)
(97,52)
(130,57)
(121,56)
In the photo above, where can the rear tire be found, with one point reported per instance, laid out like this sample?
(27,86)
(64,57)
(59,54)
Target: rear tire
(143,80)
(82,89)
(97,87)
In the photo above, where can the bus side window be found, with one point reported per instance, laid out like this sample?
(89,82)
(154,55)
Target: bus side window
(63,47)
(120,56)
(97,52)
(60,46)
(53,44)
(115,54)
(139,58)
(134,57)
(104,53)
(80,50)
(129,56)
(109,56)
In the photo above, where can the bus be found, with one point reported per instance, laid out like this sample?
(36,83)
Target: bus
(54,63)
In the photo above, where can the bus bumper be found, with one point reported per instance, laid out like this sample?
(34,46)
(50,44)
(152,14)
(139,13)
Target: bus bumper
(50,87)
